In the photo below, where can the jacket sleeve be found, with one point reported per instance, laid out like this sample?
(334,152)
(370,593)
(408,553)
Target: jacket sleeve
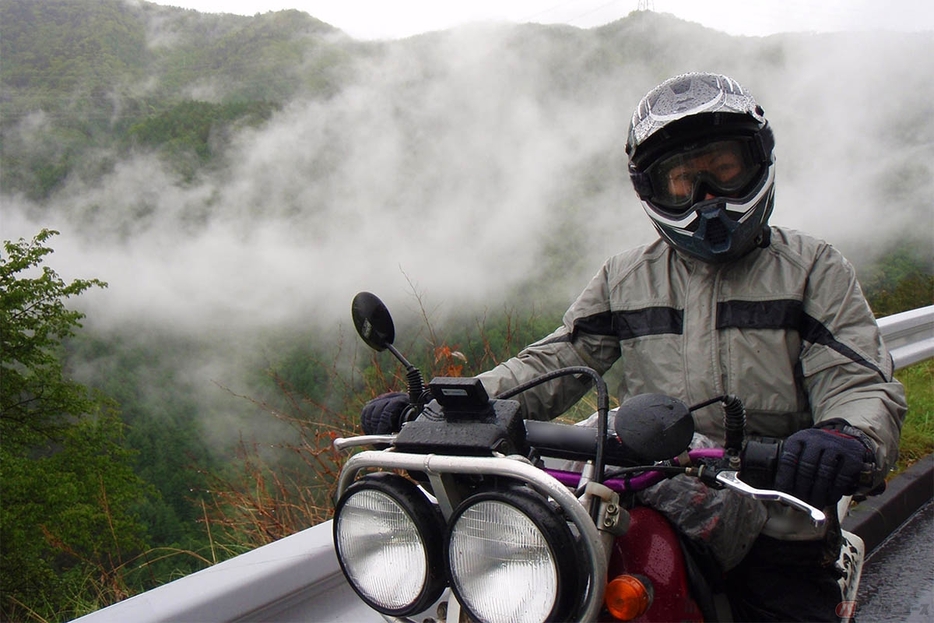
(586,338)
(847,369)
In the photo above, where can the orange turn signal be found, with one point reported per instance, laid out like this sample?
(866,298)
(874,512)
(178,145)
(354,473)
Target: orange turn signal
(628,596)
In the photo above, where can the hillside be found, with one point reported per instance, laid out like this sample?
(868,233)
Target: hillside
(80,76)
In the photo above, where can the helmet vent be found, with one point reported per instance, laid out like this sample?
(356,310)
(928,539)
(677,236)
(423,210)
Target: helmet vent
(717,234)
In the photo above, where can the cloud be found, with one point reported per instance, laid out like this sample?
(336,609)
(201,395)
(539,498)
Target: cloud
(451,159)
(445,162)
(469,162)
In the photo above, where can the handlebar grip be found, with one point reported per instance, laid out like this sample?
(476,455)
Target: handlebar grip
(562,440)
(574,443)
(760,462)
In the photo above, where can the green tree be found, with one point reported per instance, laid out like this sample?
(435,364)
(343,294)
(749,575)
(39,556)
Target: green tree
(37,402)
(67,528)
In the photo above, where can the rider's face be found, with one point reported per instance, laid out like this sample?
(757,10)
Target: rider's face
(722,165)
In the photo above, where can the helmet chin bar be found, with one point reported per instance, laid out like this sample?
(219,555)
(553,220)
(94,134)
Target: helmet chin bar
(718,238)
(720,229)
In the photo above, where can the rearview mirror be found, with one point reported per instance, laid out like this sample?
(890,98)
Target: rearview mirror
(654,427)
(372,321)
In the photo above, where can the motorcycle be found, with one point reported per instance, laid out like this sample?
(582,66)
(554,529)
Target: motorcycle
(471,513)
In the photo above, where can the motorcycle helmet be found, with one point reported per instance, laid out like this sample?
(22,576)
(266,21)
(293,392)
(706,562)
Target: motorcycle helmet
(701,160)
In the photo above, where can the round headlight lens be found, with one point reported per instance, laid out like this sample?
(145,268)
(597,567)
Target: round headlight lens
(377,541)
(383,539)
(506,554)
(502,565)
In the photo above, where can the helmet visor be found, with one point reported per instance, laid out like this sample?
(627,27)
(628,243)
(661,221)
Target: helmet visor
(682,177)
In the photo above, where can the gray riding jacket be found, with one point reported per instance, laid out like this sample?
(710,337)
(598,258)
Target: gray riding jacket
(786,328)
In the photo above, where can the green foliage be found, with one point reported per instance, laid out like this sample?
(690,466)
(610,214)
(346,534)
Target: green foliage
(163,429)
(78,74)
(196,128)
(301,371)
(67,517)
(902,279)
(917,440)
(69,488)
(69,46)
(36,400)
(260,58)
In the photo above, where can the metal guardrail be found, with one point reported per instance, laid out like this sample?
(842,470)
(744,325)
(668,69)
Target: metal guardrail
(293,579)
(909,335)
(298,578)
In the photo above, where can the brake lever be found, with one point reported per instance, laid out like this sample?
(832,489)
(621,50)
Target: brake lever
(730,479)
(343,443)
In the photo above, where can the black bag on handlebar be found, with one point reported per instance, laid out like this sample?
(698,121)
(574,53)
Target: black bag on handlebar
(723,522)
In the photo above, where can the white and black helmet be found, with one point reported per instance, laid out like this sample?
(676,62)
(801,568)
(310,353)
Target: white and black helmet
(701,160)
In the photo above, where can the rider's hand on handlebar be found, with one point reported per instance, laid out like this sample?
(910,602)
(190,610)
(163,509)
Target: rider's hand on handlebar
(820,466)
(383,414)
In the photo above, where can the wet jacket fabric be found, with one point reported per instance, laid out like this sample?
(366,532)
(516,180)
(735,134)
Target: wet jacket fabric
(786,328)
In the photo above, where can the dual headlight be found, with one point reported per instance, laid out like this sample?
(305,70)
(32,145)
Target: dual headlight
(506,554)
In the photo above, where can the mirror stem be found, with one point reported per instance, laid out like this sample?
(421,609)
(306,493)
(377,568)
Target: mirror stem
(416,384)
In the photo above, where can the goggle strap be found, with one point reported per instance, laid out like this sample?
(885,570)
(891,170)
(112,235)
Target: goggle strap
(765,143)
(641,182)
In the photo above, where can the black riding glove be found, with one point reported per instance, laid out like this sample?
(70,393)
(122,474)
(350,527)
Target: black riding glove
(383,414)
(821,466)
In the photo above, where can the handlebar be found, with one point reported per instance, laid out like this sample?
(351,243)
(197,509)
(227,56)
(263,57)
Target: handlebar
(645,476)
(649,430)
(701,462)
(648,475)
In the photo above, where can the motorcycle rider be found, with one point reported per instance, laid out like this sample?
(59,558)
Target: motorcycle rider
(724,303)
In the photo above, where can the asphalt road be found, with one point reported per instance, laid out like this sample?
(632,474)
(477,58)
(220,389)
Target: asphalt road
(898,577)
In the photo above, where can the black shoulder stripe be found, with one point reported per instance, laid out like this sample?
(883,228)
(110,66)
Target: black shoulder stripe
(779,314)
(816,333)
(784,314)
(649,321)
(598,324)
(626,325)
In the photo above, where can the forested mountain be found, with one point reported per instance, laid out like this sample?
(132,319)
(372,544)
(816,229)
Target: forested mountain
(104,74)
(235,180)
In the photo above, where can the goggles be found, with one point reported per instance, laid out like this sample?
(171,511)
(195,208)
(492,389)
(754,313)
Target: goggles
(679,179)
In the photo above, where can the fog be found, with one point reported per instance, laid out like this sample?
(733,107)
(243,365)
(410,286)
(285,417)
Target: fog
(456,164)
